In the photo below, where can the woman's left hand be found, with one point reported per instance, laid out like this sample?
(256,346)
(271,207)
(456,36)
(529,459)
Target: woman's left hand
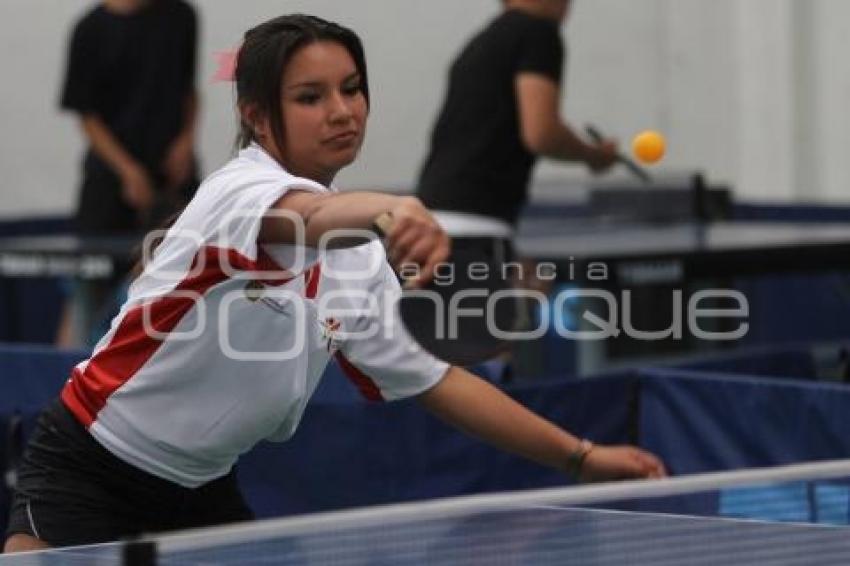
(605,463)
(416,239)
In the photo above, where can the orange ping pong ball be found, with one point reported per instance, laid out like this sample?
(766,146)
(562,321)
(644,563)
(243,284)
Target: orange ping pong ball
(649,146)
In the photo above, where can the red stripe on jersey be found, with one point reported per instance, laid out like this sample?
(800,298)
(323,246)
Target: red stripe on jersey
(132,346)
(365,384)
(265,263)
(311,278)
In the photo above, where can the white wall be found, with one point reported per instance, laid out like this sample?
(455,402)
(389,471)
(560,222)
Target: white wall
(753,92)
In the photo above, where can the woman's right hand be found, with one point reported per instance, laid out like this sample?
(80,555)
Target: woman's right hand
(416,238)
(137,188)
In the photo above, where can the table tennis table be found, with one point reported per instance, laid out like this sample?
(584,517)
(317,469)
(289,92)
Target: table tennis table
(636,252)
(65,255)
(539,536)
(629,249)
(655,260)
(654,257)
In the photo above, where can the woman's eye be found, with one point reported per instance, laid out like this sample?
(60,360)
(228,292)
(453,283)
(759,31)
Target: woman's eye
(352,90)
(307,98)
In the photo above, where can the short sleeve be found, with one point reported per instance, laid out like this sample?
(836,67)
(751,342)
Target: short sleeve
(542,51)
(235,218)
(391,362)
(78,91)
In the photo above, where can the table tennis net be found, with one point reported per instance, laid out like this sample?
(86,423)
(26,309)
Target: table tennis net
(787,515)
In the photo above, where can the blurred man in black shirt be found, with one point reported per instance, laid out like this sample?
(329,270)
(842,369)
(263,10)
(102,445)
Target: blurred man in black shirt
(131,79)
(500,114)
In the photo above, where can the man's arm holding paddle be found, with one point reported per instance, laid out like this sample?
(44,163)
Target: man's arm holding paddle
(544,132)
(481,410)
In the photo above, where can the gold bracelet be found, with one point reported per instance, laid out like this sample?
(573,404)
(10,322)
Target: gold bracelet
(576,459)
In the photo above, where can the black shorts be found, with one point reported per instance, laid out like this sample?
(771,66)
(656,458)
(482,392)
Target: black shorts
(71,490)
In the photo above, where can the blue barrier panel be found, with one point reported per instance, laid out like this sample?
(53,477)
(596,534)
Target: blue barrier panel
(350,454)
(31,226)
(705,422)
(790,212)
(30,309)
(709,422)
(790,362)
(30,376)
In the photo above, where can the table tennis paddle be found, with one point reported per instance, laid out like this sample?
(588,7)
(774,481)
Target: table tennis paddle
(459,331)
(633,167)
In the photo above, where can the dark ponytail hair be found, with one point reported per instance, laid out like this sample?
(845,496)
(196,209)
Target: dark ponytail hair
(264,55)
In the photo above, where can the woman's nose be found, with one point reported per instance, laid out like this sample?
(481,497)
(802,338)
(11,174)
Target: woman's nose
(340,108)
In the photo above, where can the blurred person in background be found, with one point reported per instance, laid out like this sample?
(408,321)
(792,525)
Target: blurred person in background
(500,114)
(130,77)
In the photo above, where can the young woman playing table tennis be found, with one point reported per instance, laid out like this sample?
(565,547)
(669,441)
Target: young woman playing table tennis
(191,373)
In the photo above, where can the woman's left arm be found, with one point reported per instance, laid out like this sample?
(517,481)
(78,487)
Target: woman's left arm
(480,409)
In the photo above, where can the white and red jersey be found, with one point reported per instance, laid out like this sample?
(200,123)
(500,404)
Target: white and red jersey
(222,341)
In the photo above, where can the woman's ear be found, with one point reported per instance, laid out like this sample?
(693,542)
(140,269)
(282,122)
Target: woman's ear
(256,121)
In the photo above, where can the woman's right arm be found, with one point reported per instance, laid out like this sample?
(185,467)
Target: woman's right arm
(415,236)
